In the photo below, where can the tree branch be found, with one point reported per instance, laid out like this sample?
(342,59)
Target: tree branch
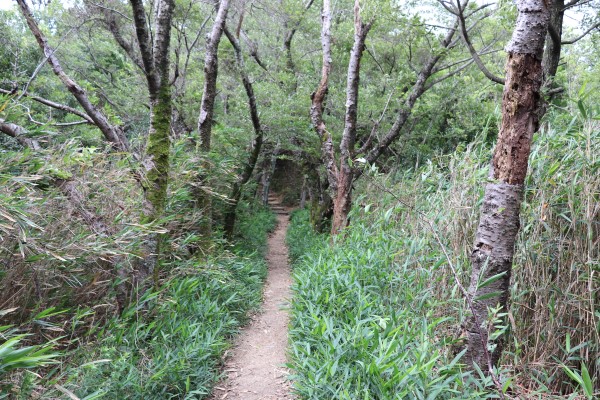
(472,51)
(113,134)
(18,133)
(584,34)
(52,104)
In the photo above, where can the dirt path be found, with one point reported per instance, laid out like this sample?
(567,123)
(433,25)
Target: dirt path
(254,370)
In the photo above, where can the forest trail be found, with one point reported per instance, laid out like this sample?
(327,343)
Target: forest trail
(255,370)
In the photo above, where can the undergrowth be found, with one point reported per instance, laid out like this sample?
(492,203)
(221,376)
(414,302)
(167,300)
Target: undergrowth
(364,320)
(377,313)
(170,345)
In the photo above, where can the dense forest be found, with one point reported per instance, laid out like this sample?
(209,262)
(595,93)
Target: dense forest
(433,168)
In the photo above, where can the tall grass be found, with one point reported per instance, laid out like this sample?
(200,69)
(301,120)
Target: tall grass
(170,344)
(377,314)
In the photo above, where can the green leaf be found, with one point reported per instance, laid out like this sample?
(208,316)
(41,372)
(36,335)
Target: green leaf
(487,296)
(573,375)
(582,109)
(491,280)
(588,388)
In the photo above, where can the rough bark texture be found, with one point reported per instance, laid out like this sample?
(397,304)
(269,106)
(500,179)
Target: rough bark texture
(519,117)
(492,255)
(156,162)
(248,168)
(211,70)
(114,135)
(553,48)
(343,198)
(318,100)
(499,222)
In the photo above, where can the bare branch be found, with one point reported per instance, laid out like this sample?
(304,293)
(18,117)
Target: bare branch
(448,75)
(52,104)
(584,34)
(253,50)
(418,88)
(112,134)
(375,127)
(472,51)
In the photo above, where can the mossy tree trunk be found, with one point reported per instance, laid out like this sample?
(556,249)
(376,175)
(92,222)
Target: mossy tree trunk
(155,165)
(493,251)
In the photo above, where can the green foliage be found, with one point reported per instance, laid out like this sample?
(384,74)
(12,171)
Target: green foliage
(14,355)
(301,237)
(170,344)
(364,321)
(386,279)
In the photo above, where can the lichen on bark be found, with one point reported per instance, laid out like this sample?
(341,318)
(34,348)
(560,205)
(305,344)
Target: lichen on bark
(158,150)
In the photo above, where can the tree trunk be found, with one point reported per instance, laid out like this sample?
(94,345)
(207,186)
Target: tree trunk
(156,162)
(318,100)
(205,120)
(320,202)
(269,170)
(343,198)
(553,41)
(244,177)
(499,221)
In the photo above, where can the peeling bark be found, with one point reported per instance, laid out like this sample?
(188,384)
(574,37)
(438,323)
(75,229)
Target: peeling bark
(495,239)
(318,99)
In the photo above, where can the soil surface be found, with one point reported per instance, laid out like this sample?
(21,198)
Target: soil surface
(255,367)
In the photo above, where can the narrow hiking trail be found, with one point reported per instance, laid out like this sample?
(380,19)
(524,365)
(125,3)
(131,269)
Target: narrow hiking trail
(254,369)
